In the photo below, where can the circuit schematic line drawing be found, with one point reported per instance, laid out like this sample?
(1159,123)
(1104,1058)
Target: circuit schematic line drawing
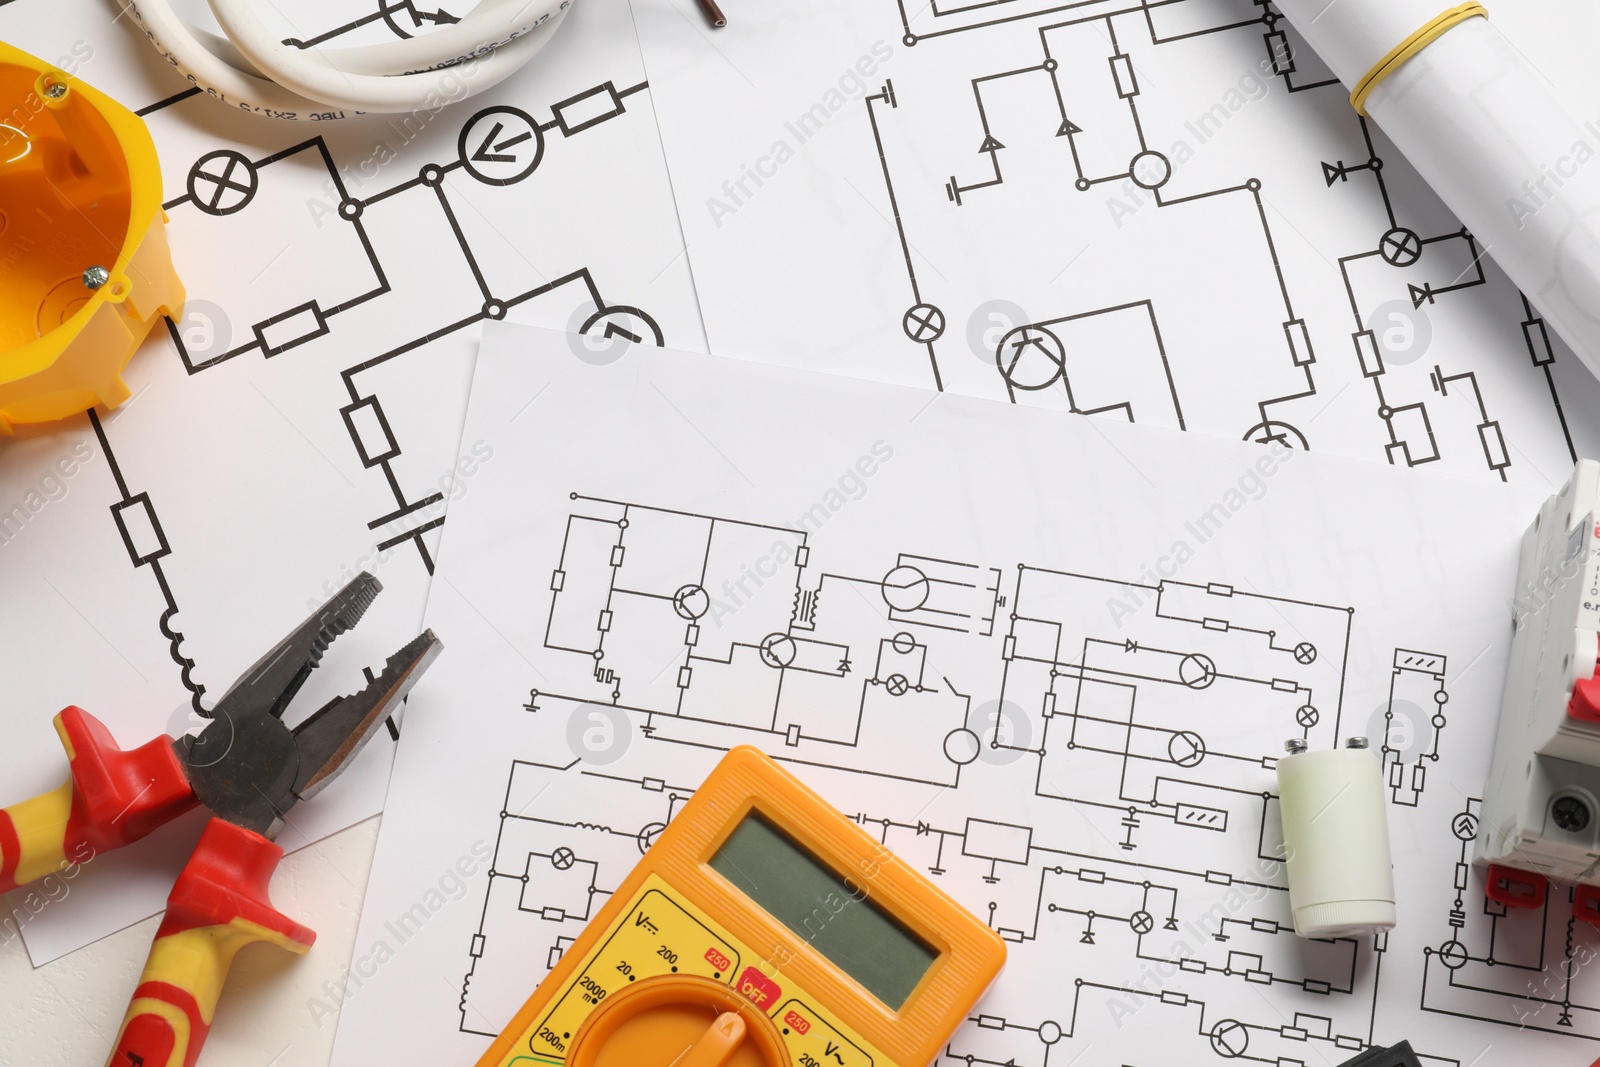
(349,295)
(982,686)
(1082,131)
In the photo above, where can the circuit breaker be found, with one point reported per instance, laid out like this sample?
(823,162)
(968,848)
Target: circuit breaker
(1541,806)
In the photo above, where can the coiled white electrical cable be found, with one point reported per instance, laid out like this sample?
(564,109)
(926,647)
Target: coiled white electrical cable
(254,71)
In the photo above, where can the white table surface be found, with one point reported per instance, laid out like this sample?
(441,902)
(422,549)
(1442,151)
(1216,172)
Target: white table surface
(67,1013)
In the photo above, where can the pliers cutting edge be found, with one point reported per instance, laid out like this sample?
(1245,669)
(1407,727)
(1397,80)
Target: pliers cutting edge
(248,769)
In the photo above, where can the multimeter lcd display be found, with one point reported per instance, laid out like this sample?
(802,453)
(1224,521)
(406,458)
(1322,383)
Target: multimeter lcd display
(832,916)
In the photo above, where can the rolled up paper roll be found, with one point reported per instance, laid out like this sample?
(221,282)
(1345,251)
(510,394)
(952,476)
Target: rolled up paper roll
(1485,129)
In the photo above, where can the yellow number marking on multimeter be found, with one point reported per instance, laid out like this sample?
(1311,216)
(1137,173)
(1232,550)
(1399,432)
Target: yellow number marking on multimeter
(807,925)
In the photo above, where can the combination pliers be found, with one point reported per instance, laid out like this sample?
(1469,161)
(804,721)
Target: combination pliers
(248,769)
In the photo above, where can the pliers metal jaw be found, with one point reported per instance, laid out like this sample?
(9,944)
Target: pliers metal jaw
(248,768)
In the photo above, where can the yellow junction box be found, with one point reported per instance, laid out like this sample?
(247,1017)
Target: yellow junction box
(85,270)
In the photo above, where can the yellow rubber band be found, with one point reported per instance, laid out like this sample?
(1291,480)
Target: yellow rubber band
(1409,47)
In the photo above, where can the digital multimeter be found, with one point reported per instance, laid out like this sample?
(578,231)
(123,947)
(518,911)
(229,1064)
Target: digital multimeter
(762,929)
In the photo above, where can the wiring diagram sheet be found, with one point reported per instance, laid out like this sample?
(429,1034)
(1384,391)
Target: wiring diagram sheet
(301,422)
(1158,212)
(1064,706)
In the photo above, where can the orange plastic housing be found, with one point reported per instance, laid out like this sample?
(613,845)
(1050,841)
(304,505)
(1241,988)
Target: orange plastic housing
(753,954)
(80,188)
(681,1021)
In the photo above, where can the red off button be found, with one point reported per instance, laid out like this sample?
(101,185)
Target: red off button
(760,990)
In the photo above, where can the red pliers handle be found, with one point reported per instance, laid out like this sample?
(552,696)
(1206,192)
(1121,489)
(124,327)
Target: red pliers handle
(248,769)
(218,905)
(112,799)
